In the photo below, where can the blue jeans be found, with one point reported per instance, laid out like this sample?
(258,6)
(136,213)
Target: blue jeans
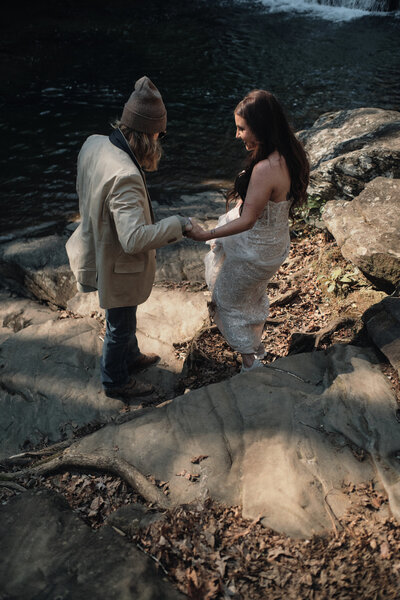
(120,346)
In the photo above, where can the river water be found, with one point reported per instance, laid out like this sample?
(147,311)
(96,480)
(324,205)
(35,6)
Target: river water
(67,72)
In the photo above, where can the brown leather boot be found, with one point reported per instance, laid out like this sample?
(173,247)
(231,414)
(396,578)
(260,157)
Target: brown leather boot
(144,361)
(132,389)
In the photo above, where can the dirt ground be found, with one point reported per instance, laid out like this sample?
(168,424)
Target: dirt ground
(210,551)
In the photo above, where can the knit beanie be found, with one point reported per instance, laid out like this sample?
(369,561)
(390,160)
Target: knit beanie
(145,110)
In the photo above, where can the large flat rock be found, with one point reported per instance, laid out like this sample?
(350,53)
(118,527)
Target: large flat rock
(50,384)
(168,316)
(280,440)
(50,366)
(367,230)
(48,552)
(349,148)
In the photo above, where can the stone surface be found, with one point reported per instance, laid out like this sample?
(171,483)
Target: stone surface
(49,367)
(348,148)
(48,552)
(281,440)
(39,268)
(132,517)
(367,230)
(203,206)
(183,261)
(168,316)
(383,324)
(50,384)
(18,313)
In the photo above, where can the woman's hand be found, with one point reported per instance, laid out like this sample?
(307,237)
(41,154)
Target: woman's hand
(197,233)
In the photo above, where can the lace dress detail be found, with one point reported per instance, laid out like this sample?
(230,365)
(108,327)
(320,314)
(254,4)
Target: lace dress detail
(237,270)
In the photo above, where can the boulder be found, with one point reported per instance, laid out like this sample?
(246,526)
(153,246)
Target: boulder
(367,230)
(47,551)
(349,148)
(38,268)
(280,440)
(383,325)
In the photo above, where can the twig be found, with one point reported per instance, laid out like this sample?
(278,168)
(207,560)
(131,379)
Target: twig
(332,515)
(285,298)
(153,557)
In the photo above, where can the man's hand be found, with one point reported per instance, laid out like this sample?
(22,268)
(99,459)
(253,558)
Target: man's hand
(197,233)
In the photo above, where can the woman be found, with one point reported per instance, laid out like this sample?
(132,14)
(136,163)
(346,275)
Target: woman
(252,240)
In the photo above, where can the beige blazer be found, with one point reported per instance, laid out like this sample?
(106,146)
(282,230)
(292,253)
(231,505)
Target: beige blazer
(113,248)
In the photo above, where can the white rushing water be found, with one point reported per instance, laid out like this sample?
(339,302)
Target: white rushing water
(349,9)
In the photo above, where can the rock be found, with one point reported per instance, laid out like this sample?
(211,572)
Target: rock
(168,316)
(19,313)
(279,440)
(349,148)
(183,261)
(383,325)
(50,384)
(367,230)
(56,389)
(85,305)
(203,206)
(47,551)
(133,517)
(38,268)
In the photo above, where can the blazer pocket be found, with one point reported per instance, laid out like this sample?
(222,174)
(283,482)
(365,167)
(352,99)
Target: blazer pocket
(130,264)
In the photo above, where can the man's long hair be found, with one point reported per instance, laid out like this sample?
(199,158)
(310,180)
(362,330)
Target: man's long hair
(267,120)
(146,149)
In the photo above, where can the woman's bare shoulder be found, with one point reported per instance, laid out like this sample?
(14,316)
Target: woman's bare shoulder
(270,166)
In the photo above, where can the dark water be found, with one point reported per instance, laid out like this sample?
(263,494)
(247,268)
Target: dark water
(66,71)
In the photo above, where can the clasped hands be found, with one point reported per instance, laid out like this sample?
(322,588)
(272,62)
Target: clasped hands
(196,232)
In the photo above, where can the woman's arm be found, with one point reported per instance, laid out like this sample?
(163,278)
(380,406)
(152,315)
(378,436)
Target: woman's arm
(258,194)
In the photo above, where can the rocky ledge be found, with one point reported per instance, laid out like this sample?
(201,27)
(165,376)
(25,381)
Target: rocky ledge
(278,441)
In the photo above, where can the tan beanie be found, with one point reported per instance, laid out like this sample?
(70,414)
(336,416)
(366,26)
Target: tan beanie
(145,110)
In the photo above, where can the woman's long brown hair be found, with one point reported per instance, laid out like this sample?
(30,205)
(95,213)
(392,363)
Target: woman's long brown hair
(267,120)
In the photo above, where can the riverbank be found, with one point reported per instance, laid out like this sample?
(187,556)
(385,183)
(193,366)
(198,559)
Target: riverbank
(271,481)
(211,551)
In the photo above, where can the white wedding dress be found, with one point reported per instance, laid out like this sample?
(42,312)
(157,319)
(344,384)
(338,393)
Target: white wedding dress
(237,270)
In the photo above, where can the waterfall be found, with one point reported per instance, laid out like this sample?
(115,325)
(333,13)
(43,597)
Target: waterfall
(369,5)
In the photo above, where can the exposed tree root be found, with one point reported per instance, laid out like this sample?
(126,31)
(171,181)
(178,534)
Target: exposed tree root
(11,485)
(26,457)
(305,342)
(113,464)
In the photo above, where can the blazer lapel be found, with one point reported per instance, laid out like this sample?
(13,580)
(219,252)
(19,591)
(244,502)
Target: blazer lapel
(117,138)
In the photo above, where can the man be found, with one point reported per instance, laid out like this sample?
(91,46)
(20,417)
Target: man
(113,248)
